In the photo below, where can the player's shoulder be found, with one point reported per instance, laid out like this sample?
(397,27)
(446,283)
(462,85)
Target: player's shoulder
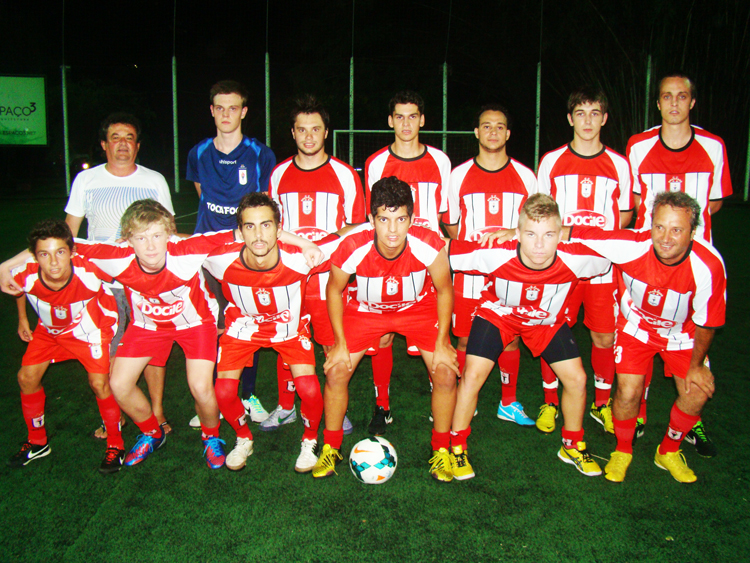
(426,235)
(282,166)
(523,170)
(339,165)
(152,175)
(649,135)
(615,156)
(463,168)
(200,148)
(707,253)
(552,156)
(701,132)
(383,153)
(439,156)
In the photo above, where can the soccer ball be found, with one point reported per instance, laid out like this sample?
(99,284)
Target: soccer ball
(373,460)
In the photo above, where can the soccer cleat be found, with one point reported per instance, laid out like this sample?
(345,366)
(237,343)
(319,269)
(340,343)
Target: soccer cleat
(254,409)
(195,422)
(546,419)
(144,446)
(581,458)
(213,451)
(327,462)
(603,415)
(237,458)
(675,463)
(617,466)
(698,437)
(380,419)
(640,429)
(112,462)
(278,417)
(347,427)
(513,413)
(440,466)
(307,458)
(460,466)
(28,453)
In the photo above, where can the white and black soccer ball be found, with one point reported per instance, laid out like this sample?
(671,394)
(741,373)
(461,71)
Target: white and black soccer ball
(373,460)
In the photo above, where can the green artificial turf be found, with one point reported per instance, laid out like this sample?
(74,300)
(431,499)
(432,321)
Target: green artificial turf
(523,505)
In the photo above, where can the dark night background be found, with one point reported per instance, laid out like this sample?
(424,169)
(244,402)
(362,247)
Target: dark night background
(120,54)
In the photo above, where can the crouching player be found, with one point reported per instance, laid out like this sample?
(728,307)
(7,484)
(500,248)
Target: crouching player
(264,282)
(672,298)
(77,320)
(531,281)
(391,261)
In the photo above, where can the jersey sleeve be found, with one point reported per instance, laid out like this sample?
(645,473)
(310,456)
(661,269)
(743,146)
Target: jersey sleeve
(625,202)
(75,205)
(722,179)
(471,258)
(110,258)
(354,202)
(710,300)
(445,177)
(453,196)
(165,198)
(631,157)
(191,173)
(267,163)
(544,182)
(620,246)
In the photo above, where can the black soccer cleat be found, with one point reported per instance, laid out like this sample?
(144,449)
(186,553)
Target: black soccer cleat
(28,453)
(380,419)
(112,462)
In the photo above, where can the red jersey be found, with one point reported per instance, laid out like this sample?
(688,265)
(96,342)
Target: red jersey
(662,303)
(520,297)
(428,175)
(700,169)
(264,305)
(384,285)
(176,297)
(82,308)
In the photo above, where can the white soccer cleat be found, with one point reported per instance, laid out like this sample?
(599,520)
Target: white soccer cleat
(237,458)
(307,458)
(254,409)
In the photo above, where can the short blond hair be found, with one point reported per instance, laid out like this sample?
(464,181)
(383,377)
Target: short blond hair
(538,208)
(143,213)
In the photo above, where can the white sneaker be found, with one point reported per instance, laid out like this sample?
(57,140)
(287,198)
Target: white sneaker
(238,456)
(347,427)
(195,422)
(278,417)
(254,409)
(307,458)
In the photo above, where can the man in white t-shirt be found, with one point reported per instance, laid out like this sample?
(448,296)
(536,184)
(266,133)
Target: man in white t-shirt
(101,195)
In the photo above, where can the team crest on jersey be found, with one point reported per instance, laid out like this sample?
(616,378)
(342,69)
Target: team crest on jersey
(654,297)
(675,184)
(307,205)
(391,286)
(61,313)
(264,297)
(154,300)
(37,422)
(532,293)
(306,344)
(586,187)
(96,351)
(493,204)
(243,175)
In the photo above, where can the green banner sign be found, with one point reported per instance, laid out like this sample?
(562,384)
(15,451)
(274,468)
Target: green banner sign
(23,110)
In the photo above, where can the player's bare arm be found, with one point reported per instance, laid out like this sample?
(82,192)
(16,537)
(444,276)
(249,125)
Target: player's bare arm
(24,330)
(699,374)
(198,188)
(74,223)
(714,206)
(313,255)
(7,285)
(339,353)
(625,217)
(451,230)
(441,278)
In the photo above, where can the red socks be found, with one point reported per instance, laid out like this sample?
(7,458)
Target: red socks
(603,362)
(624,432)
(550,384)
(32,406)
(110,413)
(440,440)
(680,424)
(286,385)
(207,432)
(571,438)
(382,366)
(311,408)
(333,438)
(231,407)
(460,438)
(150,426)
(508,363)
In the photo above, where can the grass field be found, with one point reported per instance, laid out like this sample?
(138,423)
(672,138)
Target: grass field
(524,504)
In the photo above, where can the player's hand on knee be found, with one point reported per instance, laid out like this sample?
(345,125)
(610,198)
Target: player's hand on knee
(446,355)
(339,354)
(701,377)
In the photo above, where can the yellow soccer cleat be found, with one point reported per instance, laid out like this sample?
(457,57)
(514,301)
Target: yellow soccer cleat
(581,459)
(675,463)
(460,466)
(617,466)
(603,415)
(327,461)
(546,419)
(440,466)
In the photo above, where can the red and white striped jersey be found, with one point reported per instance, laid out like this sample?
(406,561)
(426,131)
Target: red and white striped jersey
(82,307)
(264,306)
(428,175)
(521,295)
(700,169)
(383,285)
(483,201)
(315,203)
(176,297)
(590,190)
(661,303)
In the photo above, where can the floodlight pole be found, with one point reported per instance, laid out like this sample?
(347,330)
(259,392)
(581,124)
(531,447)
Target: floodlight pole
(175,138)
(351,111)
(647,104)
(445,106)
(66,147)
(538,110)
(747,162)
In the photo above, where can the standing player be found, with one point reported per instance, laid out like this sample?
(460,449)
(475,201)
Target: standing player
(391,262)
(487,193)
(224,168)
(77,320)
(427,171)
(678,156)
(532,280)
(264,282)
(101,195)
(591,184)
(318,194)
(672,298)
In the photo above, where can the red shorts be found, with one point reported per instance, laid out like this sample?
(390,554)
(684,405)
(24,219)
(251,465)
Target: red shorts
(634,357)
(467,290)
(321,322)
(47,348)
(599,304)
(236,354)
(198,343)
(418,324)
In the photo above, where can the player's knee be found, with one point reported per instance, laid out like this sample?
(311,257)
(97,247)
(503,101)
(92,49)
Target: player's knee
(99,384)
(443,379)
(603,339)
